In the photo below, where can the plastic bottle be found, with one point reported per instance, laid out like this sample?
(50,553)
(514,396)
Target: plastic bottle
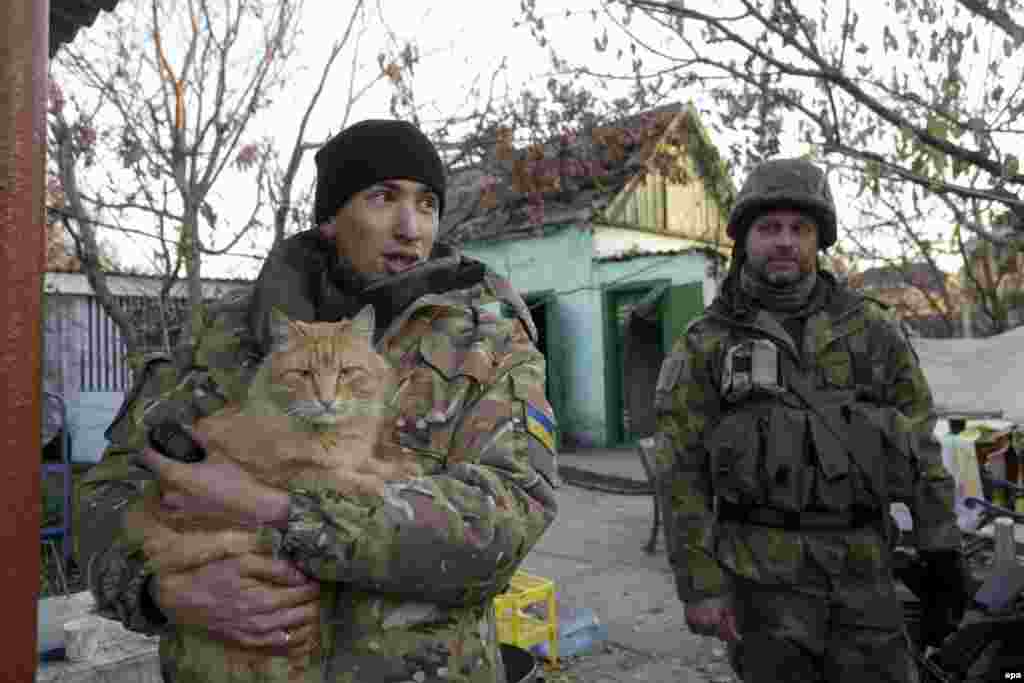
(579,630)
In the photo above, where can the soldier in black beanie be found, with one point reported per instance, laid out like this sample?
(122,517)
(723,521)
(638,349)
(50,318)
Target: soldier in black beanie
(371,151)
(405,582)
(380,191)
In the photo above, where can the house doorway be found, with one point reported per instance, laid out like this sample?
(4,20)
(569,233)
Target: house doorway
(642,357)
(621,303)
(644,320)
(544,311)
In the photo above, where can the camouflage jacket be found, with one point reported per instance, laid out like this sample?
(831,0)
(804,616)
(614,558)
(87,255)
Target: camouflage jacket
(704,549)
(434,553)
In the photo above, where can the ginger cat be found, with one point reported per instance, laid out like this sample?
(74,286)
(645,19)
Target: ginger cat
(313,418)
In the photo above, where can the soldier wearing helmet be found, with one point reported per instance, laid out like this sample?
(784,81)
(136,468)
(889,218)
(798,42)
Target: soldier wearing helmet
(790,415)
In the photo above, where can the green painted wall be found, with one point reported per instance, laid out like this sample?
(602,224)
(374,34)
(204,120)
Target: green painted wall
(679,268)
(563,261)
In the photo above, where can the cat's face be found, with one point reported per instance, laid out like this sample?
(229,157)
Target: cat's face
(325,372)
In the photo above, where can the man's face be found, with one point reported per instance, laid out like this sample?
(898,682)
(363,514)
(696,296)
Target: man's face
(388,227)
(782,246)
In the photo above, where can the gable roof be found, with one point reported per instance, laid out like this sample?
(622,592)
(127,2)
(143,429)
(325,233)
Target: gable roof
(67,16)
(582,199)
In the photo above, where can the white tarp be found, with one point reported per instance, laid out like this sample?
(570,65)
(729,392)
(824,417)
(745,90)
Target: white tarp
(976,375)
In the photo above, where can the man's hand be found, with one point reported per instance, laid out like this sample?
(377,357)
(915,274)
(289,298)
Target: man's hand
(713,617)
(217,488)
(252,601)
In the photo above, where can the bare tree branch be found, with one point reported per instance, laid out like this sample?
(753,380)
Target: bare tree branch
(284,188)
(998,16)
(86,246)
(939,187)
(827,73)
(66,215)
(175,121)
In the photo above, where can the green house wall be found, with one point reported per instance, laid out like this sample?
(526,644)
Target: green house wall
(560,267)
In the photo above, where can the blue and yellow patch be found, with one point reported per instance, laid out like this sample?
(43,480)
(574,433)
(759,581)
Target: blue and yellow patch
(541,426)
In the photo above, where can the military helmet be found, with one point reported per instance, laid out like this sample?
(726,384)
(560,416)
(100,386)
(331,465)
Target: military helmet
(785,183)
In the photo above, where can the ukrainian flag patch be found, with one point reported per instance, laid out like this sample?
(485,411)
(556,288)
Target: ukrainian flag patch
(541,426)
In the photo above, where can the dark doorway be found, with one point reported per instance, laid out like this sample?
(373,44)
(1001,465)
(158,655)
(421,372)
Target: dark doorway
(621,387)
(544,309)
(538,309)
(642,359)
(644,321)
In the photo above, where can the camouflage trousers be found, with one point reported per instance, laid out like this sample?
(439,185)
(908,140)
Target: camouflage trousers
(795,637)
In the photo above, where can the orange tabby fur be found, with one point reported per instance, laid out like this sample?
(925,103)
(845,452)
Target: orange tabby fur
(313,418)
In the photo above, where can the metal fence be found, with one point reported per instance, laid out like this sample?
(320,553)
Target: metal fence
(85,349)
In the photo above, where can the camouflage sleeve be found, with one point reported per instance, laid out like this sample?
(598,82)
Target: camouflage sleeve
(458,536)
(114,569)
(907,390)
(687,403)
(165,387)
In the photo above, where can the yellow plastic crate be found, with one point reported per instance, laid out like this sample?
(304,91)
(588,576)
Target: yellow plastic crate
(524,630)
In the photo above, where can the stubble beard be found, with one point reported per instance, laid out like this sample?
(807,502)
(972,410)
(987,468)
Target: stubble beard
(779,278)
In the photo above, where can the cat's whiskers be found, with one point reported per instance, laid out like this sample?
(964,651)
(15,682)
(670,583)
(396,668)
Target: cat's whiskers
(305,409)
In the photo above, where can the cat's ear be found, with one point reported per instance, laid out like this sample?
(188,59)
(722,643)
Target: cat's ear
(282,330)
(364,322)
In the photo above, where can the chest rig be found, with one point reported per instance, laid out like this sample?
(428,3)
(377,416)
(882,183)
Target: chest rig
(792,448)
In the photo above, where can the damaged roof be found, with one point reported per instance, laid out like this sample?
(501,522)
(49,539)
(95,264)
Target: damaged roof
(646,253)
(581,199)
(67,16)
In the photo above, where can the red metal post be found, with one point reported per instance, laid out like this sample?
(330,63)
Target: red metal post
(24,46)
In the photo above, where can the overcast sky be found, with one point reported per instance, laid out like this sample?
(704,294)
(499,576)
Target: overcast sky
(460,40)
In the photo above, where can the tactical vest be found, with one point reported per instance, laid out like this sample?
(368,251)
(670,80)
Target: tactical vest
(788,442)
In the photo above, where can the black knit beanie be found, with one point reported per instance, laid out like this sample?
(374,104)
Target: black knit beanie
(369,152)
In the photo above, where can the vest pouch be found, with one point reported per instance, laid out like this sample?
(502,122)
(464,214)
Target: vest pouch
(869,432)
(830,438)
(830,434)
(736,452)
(785,458)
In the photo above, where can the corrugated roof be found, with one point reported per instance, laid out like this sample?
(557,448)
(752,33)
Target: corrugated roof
(67,16)
(635,254)
(146,276)
(132,285)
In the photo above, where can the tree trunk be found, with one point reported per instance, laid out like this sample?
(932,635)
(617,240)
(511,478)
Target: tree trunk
(85,243)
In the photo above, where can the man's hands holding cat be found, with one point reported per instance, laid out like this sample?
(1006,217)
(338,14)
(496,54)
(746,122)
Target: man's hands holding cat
(250,601)
(219,489)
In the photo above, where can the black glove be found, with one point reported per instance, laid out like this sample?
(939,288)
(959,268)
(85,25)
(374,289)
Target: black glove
(944,594)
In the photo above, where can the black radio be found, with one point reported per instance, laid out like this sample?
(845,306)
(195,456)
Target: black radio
(169,438)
